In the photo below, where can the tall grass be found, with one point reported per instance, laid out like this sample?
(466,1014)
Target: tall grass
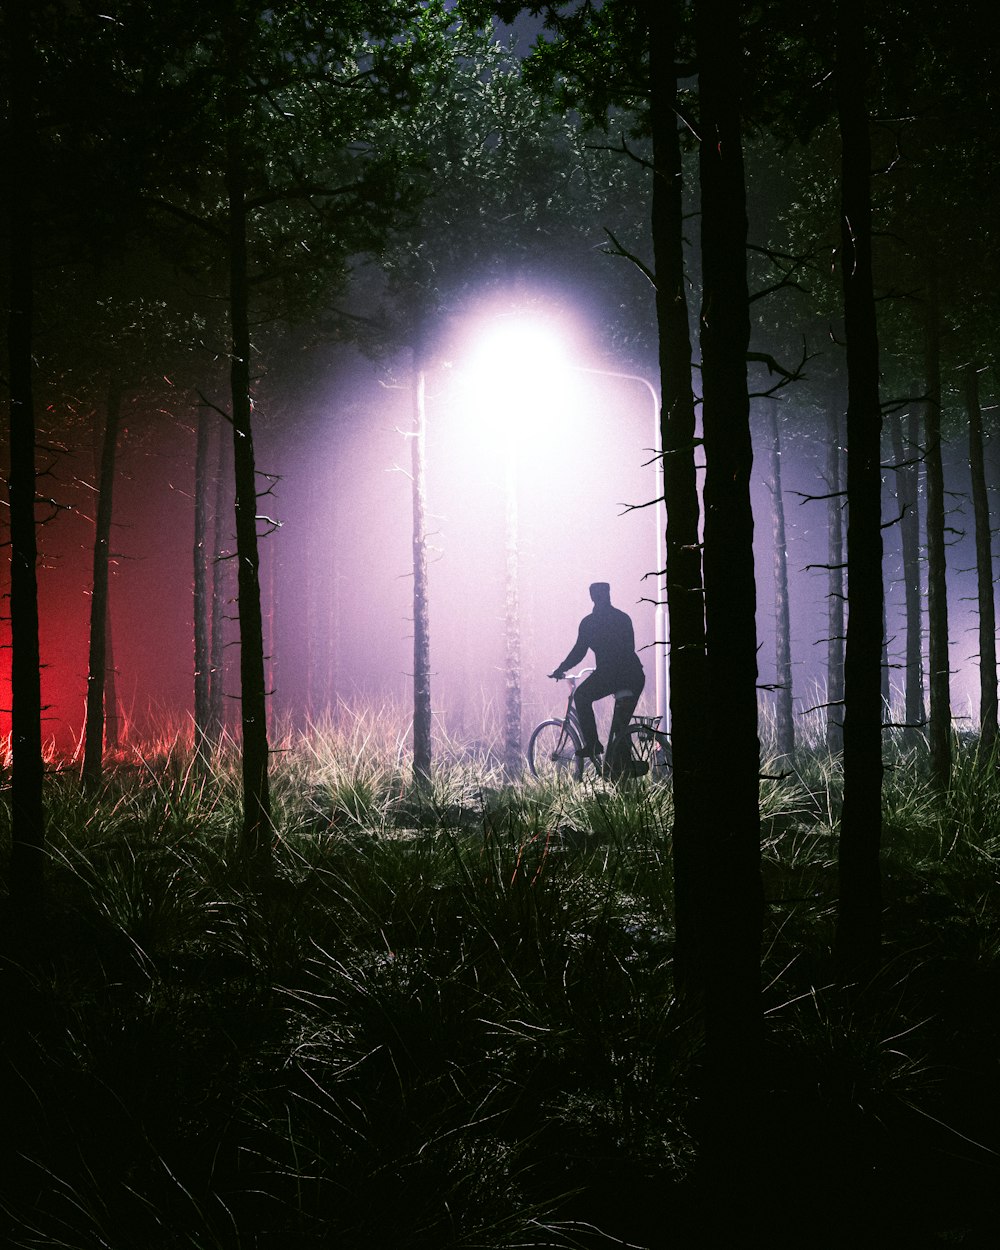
(408,1038)
(449,1019)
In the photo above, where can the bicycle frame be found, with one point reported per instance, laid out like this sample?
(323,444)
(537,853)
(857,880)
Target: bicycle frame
(573,720)
(571,717)
(647,747)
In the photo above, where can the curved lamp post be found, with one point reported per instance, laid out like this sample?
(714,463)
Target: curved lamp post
(660,571)
(523,359)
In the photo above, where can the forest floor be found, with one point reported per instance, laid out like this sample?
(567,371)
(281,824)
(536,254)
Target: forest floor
(448,1019)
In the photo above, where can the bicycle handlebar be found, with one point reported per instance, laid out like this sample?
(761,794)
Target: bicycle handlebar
(573,678)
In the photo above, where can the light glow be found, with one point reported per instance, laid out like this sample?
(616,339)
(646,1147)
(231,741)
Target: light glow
(517,381)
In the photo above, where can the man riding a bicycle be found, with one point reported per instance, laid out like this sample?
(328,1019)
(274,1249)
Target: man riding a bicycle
(608,632)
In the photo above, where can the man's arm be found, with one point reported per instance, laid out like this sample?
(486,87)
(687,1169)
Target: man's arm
(580,649)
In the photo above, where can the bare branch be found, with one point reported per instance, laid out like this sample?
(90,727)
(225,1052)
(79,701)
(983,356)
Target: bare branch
(618,250)
(785,376)
(804,497)
(207,403)
(821,707)
(185,215)
(622,149)
(626,508)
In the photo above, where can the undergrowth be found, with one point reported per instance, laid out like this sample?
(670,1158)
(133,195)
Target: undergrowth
(449,1018)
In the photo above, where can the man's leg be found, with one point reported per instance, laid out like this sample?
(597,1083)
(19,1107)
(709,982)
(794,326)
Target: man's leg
(618,748)
(587,693)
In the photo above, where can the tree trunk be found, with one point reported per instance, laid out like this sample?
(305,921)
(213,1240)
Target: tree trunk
(685,592)
(421,608)
(112,714)
(202,626)
(333,671)
(257,831)
(905,455)
(984,569)
(220,563)
(271,599)
(314,577)
(860,906)
(939,676)
(512,623)
(27,814)
(784,724)
(836,599)
(93,751)
(733,897)
(331,685)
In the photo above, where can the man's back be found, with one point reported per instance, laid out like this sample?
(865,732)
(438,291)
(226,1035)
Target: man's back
(609,634)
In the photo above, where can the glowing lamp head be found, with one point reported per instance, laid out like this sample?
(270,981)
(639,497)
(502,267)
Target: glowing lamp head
(520,371)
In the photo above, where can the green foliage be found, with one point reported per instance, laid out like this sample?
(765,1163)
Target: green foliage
(504,186)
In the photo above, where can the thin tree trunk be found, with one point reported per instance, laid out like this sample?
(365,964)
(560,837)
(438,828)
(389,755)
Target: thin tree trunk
(859,916)
(112,713)
(257,830)
(27,813)
(885,686)
(421,609)
(512,623)
(93,751)
(217,674)
(313,575)
(836,598)
(905,455)
(685,592)
(939,676)
(332,677)
(202,624)
(271,651)
(992,444)
(984,568)
(784,726)
(733,896)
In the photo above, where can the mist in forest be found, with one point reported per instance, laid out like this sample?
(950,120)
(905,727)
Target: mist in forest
(336,566)
(334,464)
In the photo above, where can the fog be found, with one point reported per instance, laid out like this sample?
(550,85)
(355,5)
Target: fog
(336,575)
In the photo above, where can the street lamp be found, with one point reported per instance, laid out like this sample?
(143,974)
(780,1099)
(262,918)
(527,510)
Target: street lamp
(527,368)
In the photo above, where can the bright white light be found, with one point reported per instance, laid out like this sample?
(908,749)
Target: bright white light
(517,379)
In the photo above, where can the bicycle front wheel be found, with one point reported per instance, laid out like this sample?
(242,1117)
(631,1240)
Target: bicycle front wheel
(552,752)
(649,752)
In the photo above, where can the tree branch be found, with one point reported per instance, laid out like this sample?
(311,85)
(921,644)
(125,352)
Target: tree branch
(618,250)
(192,219)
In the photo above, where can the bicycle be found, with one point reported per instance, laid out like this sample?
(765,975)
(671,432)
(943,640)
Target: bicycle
(555,746)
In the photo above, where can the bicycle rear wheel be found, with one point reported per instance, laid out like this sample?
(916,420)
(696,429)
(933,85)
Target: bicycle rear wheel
(649,752)
(552,752)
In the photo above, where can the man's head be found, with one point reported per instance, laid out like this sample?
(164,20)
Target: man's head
(600,594)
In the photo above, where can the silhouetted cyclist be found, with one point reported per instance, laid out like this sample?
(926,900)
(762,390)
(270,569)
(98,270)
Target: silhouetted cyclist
(607,632)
